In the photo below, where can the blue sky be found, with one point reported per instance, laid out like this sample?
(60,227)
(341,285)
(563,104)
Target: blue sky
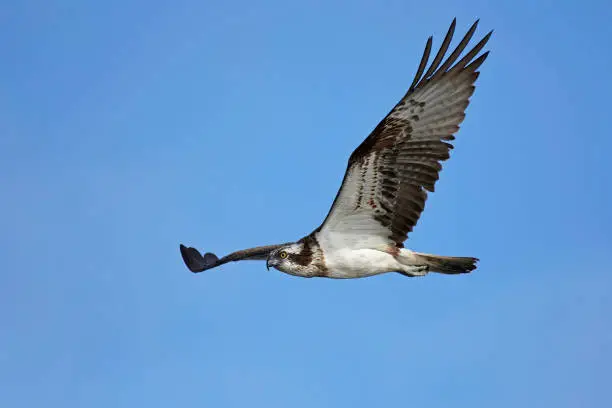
(127,128)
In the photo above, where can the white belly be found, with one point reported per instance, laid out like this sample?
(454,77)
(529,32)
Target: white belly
(358,256)
(358,263)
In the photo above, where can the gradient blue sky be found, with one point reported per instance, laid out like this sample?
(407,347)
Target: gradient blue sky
(129,127)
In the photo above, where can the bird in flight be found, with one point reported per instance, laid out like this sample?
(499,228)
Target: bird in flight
(386,183)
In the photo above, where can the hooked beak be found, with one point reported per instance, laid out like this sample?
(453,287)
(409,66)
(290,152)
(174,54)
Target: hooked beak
(271,262)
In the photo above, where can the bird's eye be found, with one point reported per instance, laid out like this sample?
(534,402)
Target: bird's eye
(283,255)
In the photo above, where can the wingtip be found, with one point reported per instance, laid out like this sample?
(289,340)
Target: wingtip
(194,260)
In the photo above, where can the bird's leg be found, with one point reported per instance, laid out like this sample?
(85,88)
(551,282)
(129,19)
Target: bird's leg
(415,270)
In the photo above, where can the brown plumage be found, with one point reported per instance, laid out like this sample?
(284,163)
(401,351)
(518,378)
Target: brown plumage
(198,263)
(405,150)
(386,183)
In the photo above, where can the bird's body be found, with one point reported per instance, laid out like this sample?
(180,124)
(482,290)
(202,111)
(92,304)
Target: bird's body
(332,261)
(359,263)
(343,261)
(385,185)
(346,263)
(319,256)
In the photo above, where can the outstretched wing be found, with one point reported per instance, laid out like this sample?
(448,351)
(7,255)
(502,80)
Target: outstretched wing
(385,186)
(198,263)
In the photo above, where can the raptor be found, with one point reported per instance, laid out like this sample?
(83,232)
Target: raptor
(386,183)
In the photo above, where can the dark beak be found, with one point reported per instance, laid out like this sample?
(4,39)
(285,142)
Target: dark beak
(268,263)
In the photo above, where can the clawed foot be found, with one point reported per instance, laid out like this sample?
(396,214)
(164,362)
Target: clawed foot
(416,270)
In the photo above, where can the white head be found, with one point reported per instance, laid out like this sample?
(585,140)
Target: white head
(292,259)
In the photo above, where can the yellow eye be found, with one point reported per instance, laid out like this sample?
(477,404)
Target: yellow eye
(283,255)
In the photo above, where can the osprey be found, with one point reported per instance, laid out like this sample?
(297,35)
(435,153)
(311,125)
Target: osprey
(386,183)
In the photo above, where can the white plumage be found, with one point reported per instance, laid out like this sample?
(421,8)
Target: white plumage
(386,183)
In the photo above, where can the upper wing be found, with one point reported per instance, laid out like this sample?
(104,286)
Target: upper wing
(385,186)
(198,263)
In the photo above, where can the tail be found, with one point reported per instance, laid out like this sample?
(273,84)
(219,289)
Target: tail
(447,264)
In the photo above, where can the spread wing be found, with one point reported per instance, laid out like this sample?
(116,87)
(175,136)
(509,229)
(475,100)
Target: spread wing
(198,263)
(388,176)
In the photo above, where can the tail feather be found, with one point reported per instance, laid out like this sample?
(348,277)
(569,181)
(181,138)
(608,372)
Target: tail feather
(447,264)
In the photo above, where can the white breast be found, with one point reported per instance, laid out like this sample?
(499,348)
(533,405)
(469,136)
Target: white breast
(344,261)
(357,263)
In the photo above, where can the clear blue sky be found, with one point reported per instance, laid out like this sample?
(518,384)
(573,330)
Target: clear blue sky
(129,127)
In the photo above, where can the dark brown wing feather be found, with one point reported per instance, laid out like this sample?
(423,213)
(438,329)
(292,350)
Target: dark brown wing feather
(198,263)
(390,173)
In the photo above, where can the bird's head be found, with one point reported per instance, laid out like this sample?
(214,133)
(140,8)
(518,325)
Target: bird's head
(289,259)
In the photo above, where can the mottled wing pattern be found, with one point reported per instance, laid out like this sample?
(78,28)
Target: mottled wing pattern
(198,263)
(385,186)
